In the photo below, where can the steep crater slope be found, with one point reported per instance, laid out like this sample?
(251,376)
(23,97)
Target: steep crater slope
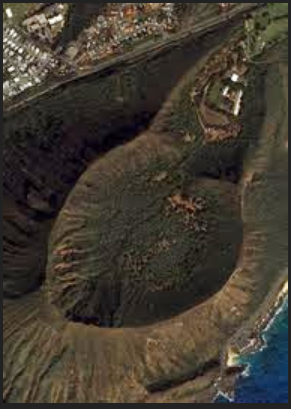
(50,142)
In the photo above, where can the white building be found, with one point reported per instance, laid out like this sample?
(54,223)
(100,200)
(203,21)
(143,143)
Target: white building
(238,102)
(235,77)
(9,13)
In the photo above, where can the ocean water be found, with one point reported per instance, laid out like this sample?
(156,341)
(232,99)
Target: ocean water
(266,380)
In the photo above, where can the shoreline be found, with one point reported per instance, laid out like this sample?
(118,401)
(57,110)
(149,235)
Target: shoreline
(247,340)
(250,340)
(259,342)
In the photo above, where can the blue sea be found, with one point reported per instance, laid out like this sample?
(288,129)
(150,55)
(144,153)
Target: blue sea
(266,380)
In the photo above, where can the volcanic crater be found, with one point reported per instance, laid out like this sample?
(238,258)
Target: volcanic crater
(123,265)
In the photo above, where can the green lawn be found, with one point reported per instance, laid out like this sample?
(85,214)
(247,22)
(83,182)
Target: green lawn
(278,10)
(214,94)
(18,9)
(277,30)
(270,27)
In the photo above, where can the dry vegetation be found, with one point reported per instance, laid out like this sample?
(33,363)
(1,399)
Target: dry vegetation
(121,251)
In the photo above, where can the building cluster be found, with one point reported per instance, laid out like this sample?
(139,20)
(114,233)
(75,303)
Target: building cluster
(120,26)
(225,73)
(234,80)
(233,95)
(27,61)
(25,65)
(47,22)
(28,57)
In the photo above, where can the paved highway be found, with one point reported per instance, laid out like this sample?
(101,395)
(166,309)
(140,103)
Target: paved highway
(140,53)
